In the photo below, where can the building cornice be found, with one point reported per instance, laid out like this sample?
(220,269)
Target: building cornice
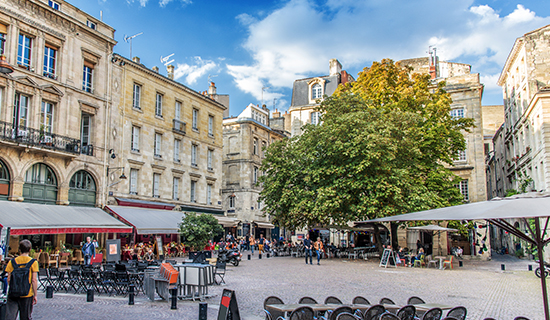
(518,44)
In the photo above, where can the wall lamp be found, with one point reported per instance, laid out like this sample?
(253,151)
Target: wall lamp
(5,67)
(122,176)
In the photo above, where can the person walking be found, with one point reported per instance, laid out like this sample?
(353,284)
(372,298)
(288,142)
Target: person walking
(252,244)
(319,249)
(88,250)
(261,244)
(22,304)
(307,247)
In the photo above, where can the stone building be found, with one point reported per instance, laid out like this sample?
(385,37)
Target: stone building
(246,138)
(53,107)
(165,141)
(493,118)
(466,92)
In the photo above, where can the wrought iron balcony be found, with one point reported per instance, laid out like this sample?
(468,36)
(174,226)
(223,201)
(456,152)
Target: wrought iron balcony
(34,137)
(179,126)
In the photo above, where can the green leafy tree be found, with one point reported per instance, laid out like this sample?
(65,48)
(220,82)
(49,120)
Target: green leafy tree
(380,151)
(197,229)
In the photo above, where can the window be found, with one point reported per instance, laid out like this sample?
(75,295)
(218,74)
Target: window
(195,119)
(177,144)
(3,32)
(91,24)
(87,77)
(85,136)
(133,181)
(259,204)
(158,143)
(457,113)
(46,117)
(463,187)
(193,189)
(255,147)
(211,126)
(175,189)
(21,109)
(135,138)
(232,202)
(156,183)
(209,194)
(50,56)
(53,4)
(316,91)
(194,150)
(136,103)
(158,105)
(461,155)
(24,51)
(315,117)
(178,110)
(264,147)
(255,175)
(209,159)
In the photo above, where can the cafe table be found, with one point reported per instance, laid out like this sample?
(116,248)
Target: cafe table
(424,307)
(321,308)
(441,258)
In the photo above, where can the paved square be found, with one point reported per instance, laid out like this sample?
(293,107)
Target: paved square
(481,287)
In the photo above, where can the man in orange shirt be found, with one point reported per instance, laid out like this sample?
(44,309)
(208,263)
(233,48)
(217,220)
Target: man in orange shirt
(23,304)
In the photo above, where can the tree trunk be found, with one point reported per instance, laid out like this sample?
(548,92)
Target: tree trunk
(394,239)
(378,239)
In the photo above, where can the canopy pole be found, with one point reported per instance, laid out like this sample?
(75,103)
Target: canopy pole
(542,270)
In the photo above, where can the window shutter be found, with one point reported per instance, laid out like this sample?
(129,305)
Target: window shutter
(133,180)
(156,180)
(3,29)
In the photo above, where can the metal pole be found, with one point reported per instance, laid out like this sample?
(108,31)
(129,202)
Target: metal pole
(542,270)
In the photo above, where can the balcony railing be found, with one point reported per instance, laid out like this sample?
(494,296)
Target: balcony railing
(35,137)
(179,126)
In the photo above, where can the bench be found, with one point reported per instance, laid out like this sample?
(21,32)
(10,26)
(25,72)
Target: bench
(165,280)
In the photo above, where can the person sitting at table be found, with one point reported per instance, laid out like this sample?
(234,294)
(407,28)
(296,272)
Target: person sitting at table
(417,257)
(149,256)
(402,256)
(135,254)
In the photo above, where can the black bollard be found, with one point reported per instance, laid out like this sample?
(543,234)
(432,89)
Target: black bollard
(502,267)
(203,308)
(268,255)
(259,256)
(249,256)
(174,293)
(90,295)
(49,292)
(530,268)
(131,290)
(460,263)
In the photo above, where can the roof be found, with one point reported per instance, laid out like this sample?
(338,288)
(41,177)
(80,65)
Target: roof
(300,89)
(30,218)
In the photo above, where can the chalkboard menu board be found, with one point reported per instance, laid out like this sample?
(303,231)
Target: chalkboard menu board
(229,310)
(387,259)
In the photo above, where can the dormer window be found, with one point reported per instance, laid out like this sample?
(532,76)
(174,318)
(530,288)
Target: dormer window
(53,4)
(91,24)
(316,91)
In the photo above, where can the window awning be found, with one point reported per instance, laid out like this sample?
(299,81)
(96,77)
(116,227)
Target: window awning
(151,221)
(264,225)
(29,218)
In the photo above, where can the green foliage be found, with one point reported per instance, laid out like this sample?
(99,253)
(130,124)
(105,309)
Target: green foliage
(197,229)
(520,253)
(511,192)
(380,151)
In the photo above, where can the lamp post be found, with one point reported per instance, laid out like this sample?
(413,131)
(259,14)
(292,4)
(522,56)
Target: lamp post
(5,67)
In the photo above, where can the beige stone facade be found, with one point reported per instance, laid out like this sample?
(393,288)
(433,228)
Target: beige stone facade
(166,138)
(246,138)
(53,114)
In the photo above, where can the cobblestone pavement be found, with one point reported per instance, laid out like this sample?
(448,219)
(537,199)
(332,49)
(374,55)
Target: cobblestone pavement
(481,287)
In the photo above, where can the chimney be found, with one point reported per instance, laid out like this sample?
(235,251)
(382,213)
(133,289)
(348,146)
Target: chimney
(170,70)
(212,89)
(433,63)
(155,69)
(344,77)
(264,107)
(335,67)
(276,114)
(136,60)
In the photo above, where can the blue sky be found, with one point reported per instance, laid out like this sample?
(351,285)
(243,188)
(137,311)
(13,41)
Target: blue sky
(247,45)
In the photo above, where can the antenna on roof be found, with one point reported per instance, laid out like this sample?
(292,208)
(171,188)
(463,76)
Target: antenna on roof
(274,100)
(263,89)
(165,60)
(129,39)
(210,76)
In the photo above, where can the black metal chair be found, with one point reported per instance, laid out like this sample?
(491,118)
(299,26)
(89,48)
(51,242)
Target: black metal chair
(347,316)
(386,301)
(449,318)
(42,278)
(374,312)
(274,300)
(53,278)
(433,314)
(122,281)
(415,300)
(220,272)
(333,300)
(458,312)
(302,313)
(307,300)
(73,281)
(388,316)
(89,280)
(108,282)
(407,313)
(268,315)
(360,300)
(521,318)
(333,314)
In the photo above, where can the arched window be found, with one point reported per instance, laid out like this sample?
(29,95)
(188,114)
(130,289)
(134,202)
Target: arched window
(82,180)
(4,173)
(4,181)
(316,91)
(40,174)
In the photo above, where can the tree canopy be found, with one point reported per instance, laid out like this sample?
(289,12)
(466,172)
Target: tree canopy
(197,229)
(381,150)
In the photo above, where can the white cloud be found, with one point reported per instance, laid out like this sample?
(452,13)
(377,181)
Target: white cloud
(162,3)
(195,71)
(299,38)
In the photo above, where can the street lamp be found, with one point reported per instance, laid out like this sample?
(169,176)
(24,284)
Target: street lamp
(122,176)
(5,67)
